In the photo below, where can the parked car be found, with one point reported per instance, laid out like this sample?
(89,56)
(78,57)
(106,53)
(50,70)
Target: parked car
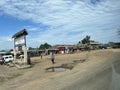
(8,58)
(21,56)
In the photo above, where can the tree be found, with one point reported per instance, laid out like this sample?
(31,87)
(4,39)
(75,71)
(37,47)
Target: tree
(47,46)
(44,46)
(111,44)
(41,46)
(79,42)
(2,50)
(31,48)
(86,40)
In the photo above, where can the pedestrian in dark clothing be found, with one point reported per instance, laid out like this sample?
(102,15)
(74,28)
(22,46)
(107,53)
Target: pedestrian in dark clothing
(28,60)
(41,55)
(52,58)
(2,61)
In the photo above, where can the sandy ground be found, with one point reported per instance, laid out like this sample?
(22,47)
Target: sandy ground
(95,73)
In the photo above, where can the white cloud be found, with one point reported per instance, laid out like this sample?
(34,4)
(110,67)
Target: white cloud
(5,39)
(33,29)
(6,42)
(65,17)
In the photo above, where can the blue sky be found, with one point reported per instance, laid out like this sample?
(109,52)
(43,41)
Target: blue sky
(59,21)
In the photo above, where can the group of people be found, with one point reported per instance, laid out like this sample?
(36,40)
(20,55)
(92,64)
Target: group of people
(52,57)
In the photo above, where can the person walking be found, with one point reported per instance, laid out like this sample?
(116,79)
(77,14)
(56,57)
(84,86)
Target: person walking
(52,58)
(41,55)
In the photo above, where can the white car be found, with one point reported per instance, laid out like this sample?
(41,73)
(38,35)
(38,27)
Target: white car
(8,58)
(21,56)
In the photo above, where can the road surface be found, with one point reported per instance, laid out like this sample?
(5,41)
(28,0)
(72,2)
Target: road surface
(96,73)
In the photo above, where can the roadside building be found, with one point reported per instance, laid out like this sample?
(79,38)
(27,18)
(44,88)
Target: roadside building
(5,53)
(95,45)
(91,45)
(51,50)
(116,45)
(64,48)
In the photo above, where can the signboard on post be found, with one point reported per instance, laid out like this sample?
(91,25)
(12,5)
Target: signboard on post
(20,38)
(20,41)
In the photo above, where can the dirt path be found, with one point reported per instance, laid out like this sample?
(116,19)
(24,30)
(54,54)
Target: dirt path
(97,63)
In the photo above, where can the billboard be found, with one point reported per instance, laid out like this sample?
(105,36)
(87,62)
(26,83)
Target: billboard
(19,41)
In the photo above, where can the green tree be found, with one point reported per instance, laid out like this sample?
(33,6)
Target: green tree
(31,48)
(2,50)
(111,44)
(44,46)
(86,40)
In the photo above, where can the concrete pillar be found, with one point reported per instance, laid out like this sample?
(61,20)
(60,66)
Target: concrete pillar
(25,55)
(14,54)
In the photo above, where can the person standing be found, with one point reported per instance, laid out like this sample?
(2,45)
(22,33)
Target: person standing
(41,55)
(52,58)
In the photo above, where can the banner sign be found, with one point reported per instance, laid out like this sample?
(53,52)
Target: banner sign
(19,41)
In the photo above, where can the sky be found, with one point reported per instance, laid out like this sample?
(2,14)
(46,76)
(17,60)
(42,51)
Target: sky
(59,21)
